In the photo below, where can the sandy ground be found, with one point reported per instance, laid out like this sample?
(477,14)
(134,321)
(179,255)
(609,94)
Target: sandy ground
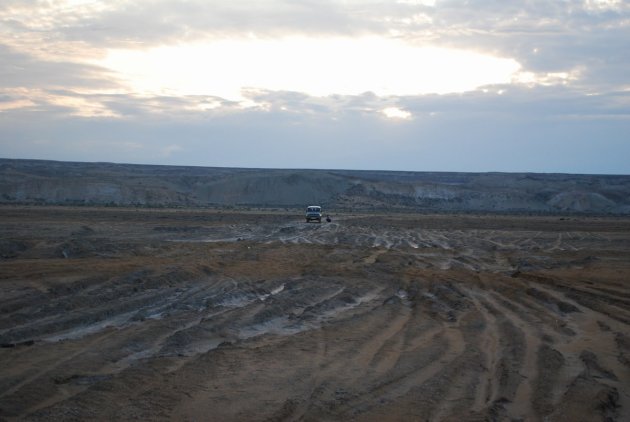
(117,314)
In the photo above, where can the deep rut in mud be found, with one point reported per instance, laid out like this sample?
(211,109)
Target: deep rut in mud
(205,315)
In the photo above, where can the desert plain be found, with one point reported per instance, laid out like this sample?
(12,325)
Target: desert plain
(237,315)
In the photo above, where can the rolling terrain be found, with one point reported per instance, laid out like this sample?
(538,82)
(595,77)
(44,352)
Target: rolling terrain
(189,293)
(65,183)
(189,314)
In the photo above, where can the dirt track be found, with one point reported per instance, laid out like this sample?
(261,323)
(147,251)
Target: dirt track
(120,314)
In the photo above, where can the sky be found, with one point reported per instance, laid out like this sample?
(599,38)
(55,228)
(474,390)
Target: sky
(414,85)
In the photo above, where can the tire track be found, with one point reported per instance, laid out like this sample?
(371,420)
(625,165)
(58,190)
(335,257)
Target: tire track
(516,360)
(489,343)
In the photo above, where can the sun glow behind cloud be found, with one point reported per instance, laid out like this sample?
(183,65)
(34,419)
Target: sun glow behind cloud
(315,66)
(396,113)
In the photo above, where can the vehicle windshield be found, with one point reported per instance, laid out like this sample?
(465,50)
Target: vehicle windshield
(313,209)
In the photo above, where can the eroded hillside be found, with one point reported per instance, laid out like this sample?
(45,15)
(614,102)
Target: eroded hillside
(48,182)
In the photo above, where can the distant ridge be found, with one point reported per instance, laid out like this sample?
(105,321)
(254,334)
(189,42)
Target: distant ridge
(74,183)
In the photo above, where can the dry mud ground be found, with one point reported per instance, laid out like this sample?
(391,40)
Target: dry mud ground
(117,314)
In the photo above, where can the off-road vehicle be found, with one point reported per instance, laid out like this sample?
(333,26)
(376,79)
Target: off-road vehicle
(314,213)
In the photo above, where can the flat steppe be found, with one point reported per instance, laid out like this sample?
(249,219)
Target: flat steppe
(191,314)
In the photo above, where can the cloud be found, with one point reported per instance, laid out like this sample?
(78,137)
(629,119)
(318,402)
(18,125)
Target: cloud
(118,23)
(580,36)
(396,113)
(18,69)
(543,36)
(566,110)
(556,129)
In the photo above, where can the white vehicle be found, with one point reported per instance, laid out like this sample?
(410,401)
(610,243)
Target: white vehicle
(314,213)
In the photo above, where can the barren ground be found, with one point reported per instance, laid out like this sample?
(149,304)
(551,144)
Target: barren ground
(119,314)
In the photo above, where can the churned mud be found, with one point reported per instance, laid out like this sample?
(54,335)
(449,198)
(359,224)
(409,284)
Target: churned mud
(118,314)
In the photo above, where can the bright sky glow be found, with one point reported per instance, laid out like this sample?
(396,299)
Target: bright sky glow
(385,84)
(603,4)
(318,67)
(396,113)
(418,2)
